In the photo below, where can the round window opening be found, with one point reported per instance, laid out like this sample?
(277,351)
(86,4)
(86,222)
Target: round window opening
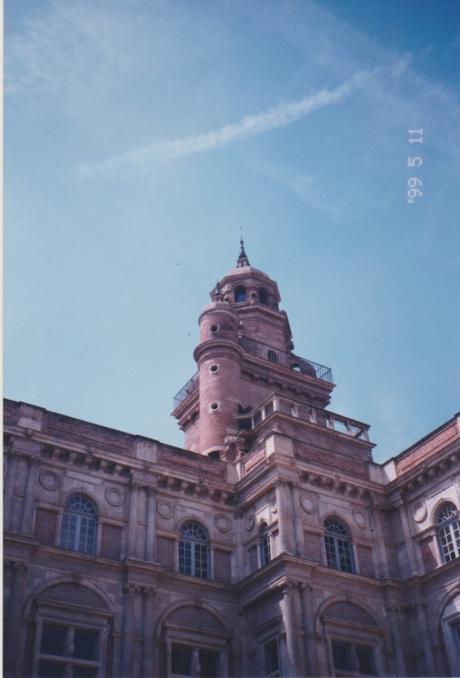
(214,407)
(214,328)
(214,369)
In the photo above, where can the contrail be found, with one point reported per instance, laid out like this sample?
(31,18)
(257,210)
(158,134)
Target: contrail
(159,153)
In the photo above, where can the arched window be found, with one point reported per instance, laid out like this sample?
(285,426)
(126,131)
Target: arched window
(264,545)
(448,529)
(240,293)
(79,525)
(263,295)
(339,552)
(194,551)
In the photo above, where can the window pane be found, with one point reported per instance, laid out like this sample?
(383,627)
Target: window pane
(342,656)
(85,644)
(201,561)
(68,531)
(365,657)
(87,541)
(330,552)
(208,663)
(181,660)
(271,657)
(50,670)
(53,639)
(185,557)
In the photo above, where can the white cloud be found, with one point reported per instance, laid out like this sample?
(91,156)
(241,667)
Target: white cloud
(73,52)
(158,153)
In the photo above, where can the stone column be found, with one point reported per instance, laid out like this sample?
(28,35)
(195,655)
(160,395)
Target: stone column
(393,614)
(293,640)
(9,489)
(150,540)
(299,539)
(422,620)
(131,537)
(13,659)
(306,604)
(283,502)
(411,557)
(29,500)
(128,629)
(148,628)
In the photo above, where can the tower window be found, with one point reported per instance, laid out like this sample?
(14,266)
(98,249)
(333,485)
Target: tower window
(448,529)
(194,551)
(214,329)
(240,293)
(263,295)
(272,355)
(79,525)
(339,552)
(264,545)
(214,407)
(214,369)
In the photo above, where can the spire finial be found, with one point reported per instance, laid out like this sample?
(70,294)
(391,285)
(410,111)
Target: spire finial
(242,259)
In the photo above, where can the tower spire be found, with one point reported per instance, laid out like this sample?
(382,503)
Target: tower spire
(242,259)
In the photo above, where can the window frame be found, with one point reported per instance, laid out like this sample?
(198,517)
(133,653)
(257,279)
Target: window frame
(82,521)
(351,647)
(71,619)
(193,547)
(264,545)
(238,292)
(448,530)
(338,546)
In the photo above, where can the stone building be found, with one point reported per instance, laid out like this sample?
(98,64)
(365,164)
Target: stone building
(272,545)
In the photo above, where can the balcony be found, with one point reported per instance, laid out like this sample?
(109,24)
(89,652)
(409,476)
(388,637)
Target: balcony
(293,362)
(298,410)
(186,389)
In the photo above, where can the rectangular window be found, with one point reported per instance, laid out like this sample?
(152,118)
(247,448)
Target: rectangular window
(355,658)
(68,650)
(181,660)
(365,659)
(271,658)
(185,558)
(341,654)
(208,663)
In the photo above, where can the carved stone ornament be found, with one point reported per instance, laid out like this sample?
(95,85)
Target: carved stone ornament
(306,503)
(114,496)
(419,512)
(360,519)
(49,480)
(222,523)
(165,509)
(250,521)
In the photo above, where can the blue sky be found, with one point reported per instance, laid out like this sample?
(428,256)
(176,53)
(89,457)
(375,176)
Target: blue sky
(140,135)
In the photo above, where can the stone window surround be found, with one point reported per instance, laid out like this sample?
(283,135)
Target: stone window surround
(353,543)
(207,639)
(353,634)
(59,510)
(56,613)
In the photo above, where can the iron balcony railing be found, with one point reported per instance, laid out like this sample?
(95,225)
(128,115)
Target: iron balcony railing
(293,362)
(273,355)
(186,390)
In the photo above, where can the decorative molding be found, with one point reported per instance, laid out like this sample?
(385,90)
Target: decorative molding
(49,480)
(114,496)
(165,509)
(223,523)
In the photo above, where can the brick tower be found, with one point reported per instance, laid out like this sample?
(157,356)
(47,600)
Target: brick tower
(246,368)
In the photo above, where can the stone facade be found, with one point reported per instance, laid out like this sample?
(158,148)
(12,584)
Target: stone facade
(272,545)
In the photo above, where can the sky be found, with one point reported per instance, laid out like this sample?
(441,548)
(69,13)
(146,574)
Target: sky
(141,134)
